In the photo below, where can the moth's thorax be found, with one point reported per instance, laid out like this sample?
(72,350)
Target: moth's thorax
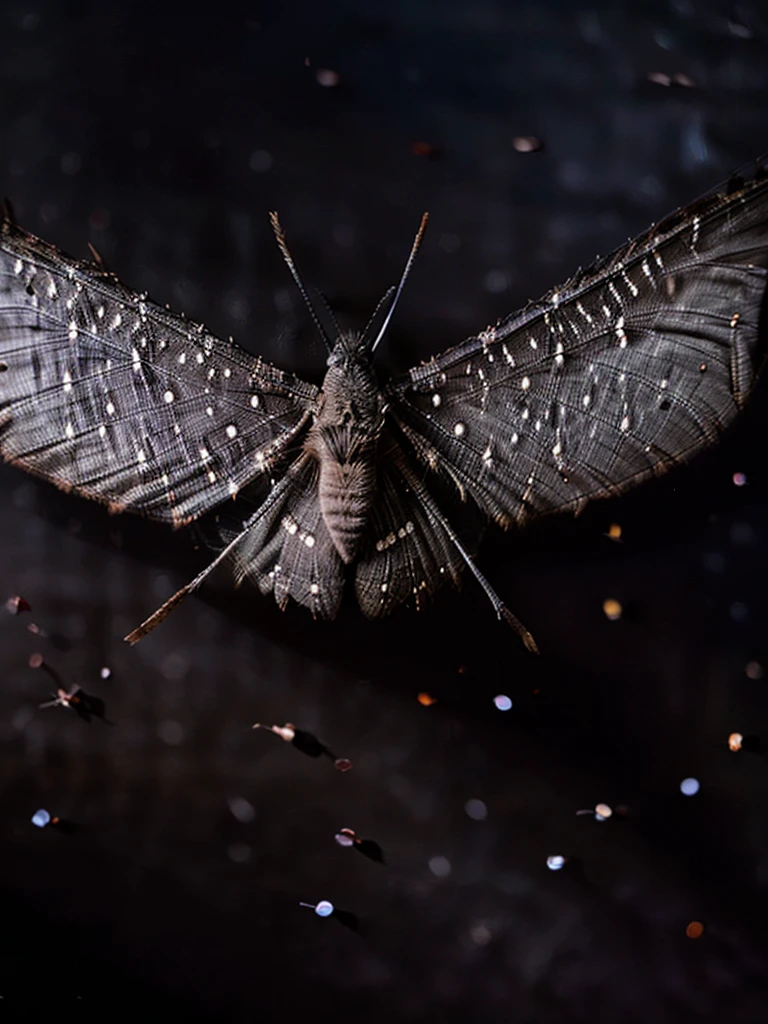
(344,439)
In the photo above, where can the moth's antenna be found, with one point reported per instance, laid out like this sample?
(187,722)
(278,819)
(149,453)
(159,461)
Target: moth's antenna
(406,272)
(283,246)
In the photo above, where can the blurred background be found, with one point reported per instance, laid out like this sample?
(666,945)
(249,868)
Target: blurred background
(538,135)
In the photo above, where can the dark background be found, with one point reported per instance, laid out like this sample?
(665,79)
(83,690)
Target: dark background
(164,137)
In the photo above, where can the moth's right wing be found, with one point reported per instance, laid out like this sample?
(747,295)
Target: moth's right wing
(104,393)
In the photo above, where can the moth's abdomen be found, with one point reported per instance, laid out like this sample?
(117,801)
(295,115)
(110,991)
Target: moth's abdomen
(346,492)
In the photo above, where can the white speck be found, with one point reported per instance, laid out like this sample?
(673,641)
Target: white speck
(508,355)
(227,372)
(212,373)
(102,431)
(559,357)
(314,589)
(557,449)
(534,344)
(476,809)
(624,426)
(100,312)
(309,540)
(607,312)
(41,818)
(525,414)
(136,358)
(231,431)
(117,321)
(67,381)
(168,397)
(241,809)
(211,476)
(199,357)
(18,266)
(556,862)
(254,401)
(487,455)
(205,454)
(69,431)
(384,587)
(525,383)
(459,429)
(436,400)
(514,439)
(182,358)
(696,226)
(647,270)
(585,401)
(72,330)
(232,488)
(141,456)
(324,908)
(176,429)
(440,866)
(503,702)
(689,787)
(52,290)
(209,410)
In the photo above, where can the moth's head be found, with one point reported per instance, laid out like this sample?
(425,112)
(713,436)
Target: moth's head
(348,347)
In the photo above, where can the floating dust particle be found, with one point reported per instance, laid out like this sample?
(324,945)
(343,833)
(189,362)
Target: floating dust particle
(612,609)
(502,702)
(694,929)
(16,605)
(556,862)
(105,672)
(527,144)
(327,78)
(659,78)
(36,660)
(426,150)
(679,78)
(735,741)
(426,699)
(739,479)
(614,531)
(603,810)
(690,786)
(754,670)
(342,764)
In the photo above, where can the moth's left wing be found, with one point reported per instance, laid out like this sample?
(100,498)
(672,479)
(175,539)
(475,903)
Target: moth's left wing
(631,367)
(104,393)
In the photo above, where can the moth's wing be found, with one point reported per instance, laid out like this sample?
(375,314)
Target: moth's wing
(407,553)
(632,366)
(104,393)
(288,551)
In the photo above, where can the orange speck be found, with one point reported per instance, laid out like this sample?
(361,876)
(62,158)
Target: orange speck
(614,531)
(612,609)
(734,741)
(426,699)
(694,930)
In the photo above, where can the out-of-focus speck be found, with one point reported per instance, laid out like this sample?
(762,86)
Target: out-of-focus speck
(323,909)
(440,866)
(327,78)
(741,534)
(713,562)
(612,609)
(480,934)
(738,611)
(16,605)
(426,150)
(739,479)
(690,787)
(36,660)
(663,39)
(694,929)
(503,702)
(171,732)
(527,144)
(240,853)
(476,809)
(260,161)
(449,243)
(740,30)
(34,628)
(426,699)
(590,27)
(241,809)
(30,21)
(174,667)
(71,163)
(497,281)
(342,764)
(754,670)
(603,812)
(41,818)
(106,672)
(345,837)
(679,78)
(735,741)
(556,862)
(614,531)
(659,78)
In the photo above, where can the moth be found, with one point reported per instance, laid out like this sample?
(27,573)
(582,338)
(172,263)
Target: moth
(630,368)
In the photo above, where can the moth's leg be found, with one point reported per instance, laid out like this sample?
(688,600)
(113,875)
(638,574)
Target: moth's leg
(162,613)
(498,605)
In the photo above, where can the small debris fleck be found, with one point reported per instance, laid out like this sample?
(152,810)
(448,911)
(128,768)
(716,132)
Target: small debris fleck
(614,531)
(556,862)
(527,144)
(440,866)
(739,479)
(105,672)
(16,605)
(503,702)
(476,809)
(323,909)
(612,609)
(735,741)
(694,929)
(426,699)
(41,818)
(603,811)
(690,787)
(327,78)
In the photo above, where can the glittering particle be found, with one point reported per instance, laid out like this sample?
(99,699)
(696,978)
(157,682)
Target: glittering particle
(67,382)
(141,456)
(502,702)
(69,431)
(169,397)
(612,609)
(525,383)
(556,862)
(105,672)
(614,531)
(231,431)
(426,699)
(694,929)
(345,837)
(436,400)
(204,454)
(110,409)
(209,410)
(440,866)
(739,479)
(603,811)
(459,429)
(689,787)
(735,741)
(754,670)
(476,809)
(314,588)
(41,818)
(324,908)
(735,319)
(309,540)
